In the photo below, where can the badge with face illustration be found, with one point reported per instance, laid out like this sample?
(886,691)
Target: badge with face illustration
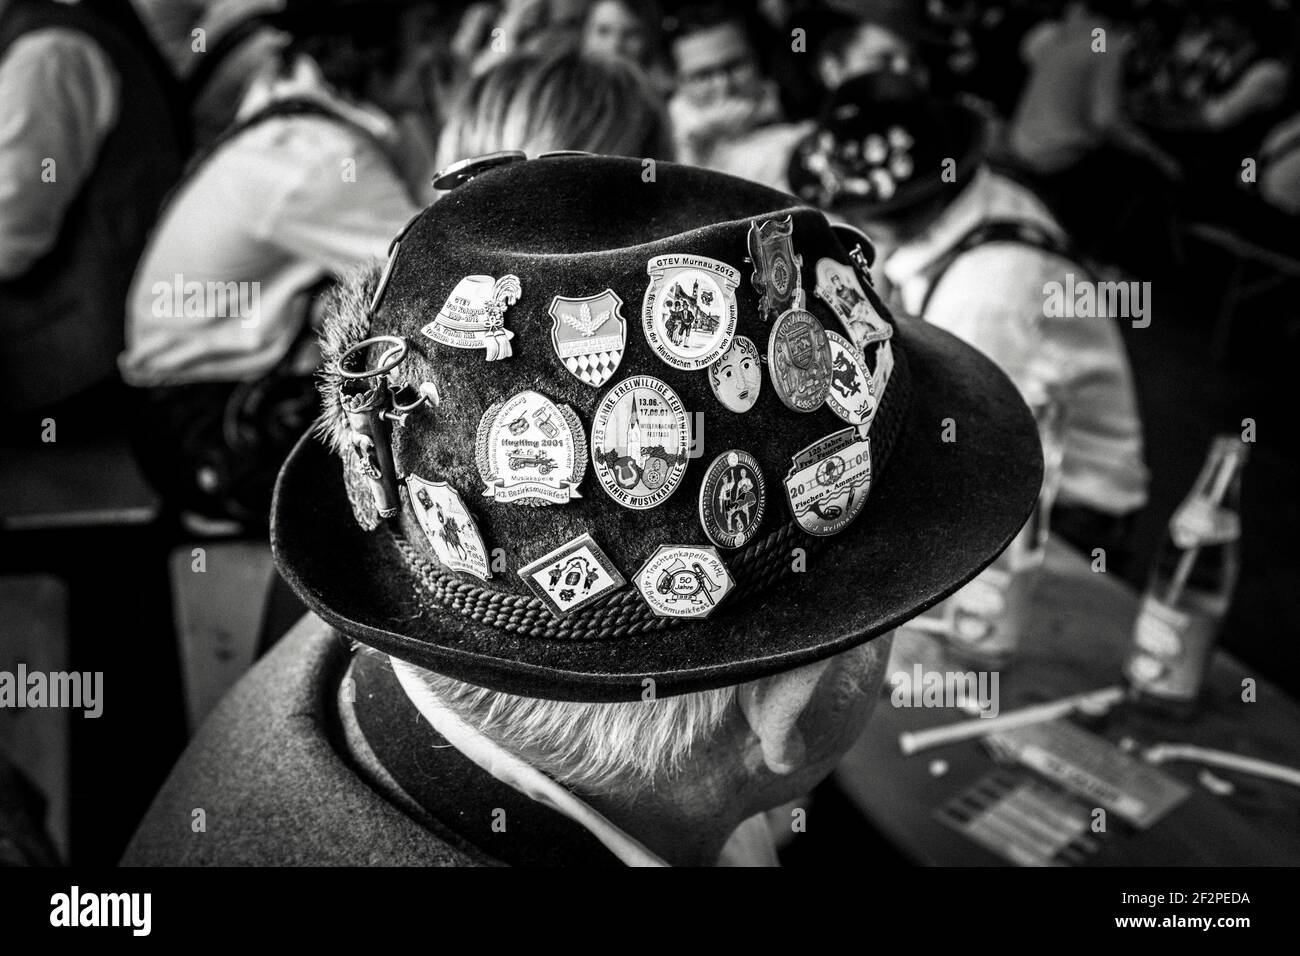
(828,484)
(680,581)
(776,276)
(640,440)
(838,287)
(799,361)
(572,576)
(449,526)
(689,311)
(589,335)
(737,377)
(733,498)
(473,317)
(853,394)
(531,451)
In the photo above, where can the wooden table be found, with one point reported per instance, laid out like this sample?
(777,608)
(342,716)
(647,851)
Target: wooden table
(1077,635)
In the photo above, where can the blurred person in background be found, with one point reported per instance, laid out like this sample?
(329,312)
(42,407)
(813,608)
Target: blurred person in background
(847,38)
(974,252)
(240,43)
(538,102)
(622,28)
(489,32)
(87,150)
(1073,104)
(726,113)
(305,187)
(214,48)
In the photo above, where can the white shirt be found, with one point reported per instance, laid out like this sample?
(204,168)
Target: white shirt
(61,97)
(993,297)
(280,207)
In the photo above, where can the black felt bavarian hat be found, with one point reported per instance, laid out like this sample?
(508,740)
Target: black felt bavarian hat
(554,243)
(880,145)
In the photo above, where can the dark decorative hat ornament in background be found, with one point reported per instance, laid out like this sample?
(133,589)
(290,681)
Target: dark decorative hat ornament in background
(747,479)
(881,144)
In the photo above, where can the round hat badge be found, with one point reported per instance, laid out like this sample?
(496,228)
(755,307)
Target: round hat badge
(689,311)
(640,441)
(799,361)
(733,499)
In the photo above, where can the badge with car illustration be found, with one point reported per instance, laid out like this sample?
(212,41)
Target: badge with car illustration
(449,526)
(737,377)
(680,581)
(589,335)
(689,311)
(473,317)
(733,499)
(531,451)
(776,276)
(828,484)
(839,288)
(640,440)
(572,576)
(799,361)
(853,394)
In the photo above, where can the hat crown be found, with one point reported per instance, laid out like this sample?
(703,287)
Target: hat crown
(599,233)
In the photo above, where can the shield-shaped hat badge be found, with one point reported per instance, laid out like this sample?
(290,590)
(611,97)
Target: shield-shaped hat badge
(589,334)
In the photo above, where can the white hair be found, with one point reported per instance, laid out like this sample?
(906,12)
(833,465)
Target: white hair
(595,748)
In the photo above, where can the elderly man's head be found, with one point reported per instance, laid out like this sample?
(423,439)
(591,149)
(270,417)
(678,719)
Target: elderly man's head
(739,749)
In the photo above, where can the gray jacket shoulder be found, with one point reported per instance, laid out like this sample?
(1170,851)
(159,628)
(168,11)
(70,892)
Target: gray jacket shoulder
(272,787)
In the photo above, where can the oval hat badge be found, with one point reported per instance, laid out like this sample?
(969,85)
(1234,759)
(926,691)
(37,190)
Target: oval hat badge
(737,377)
(733,498)
(799,361)
(852,393)
(531,451)
(689,311)
(640,440)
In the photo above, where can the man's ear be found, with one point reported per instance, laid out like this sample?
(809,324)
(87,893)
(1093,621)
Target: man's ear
(772,707)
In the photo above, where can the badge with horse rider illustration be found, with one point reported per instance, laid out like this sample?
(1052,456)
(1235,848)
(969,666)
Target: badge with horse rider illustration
(689,311)
(853,394)
(589,335)
(681,581)
(473,317)
(531,450)
(776,277)
(449,526)
(799,361)
(828,484)
(733,498)
(572,576)
(640,442)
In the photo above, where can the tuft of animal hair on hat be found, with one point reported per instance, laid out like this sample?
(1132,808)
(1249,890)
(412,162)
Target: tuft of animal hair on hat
(346,321)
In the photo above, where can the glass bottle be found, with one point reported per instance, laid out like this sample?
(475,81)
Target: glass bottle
(1191,586)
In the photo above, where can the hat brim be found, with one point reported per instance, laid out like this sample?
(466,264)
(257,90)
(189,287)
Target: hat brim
(951,498)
